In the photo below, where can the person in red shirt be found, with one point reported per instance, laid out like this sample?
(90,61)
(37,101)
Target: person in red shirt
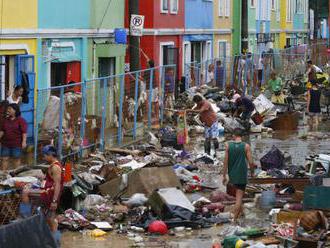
(49,194)
(209,118)
(13,136)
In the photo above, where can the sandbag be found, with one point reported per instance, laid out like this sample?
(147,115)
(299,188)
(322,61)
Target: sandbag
(274,159)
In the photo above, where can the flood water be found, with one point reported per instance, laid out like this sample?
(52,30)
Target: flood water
(299,144)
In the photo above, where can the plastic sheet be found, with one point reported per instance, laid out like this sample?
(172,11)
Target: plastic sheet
(31,232)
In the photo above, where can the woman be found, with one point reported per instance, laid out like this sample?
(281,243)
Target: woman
(16,96)
(210,75)
(313,104)
(13,136)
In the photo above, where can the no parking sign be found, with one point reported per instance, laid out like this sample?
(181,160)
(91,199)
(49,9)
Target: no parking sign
(137,23)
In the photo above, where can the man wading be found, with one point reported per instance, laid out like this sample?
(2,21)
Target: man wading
(209,118)
(237,156)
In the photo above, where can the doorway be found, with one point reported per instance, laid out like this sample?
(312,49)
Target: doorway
(107,67)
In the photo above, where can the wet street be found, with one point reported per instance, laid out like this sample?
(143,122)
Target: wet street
(299,144)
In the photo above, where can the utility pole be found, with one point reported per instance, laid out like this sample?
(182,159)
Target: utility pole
(134,41)
(244,27)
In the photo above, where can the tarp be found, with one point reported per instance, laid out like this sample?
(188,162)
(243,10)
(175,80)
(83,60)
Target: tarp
(32,232)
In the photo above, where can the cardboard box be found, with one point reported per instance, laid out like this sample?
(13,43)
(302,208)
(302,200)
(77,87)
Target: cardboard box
(144,180)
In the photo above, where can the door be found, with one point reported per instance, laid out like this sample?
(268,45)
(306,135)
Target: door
(73,74)
(172,58)
(107,67)
(25,76)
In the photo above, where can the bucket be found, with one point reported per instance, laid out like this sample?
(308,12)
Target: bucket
(268,199)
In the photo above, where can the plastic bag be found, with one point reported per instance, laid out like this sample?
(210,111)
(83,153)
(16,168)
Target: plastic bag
(182,129)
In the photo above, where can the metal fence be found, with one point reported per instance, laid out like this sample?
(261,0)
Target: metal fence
(103,112)
(252,71)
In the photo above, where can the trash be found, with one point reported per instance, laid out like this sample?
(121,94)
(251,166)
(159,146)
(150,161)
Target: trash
(158,227)
(312,220)
(219,196)
(143,181)
(97,233)
(169,202)
(23,180)
(267,200)
(263,105)
(93,200)
(274,159)
(182,129)
(102,225)
(136,200)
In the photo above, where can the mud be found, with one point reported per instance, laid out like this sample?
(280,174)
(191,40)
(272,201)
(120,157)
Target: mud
(299,144)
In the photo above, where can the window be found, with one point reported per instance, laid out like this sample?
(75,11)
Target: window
(164,6)
(289,10)
(227,12)
(273,4)
(174,6)
(224,8)
(305,11)
(278,11)
(299,6)
(253,4)
(222,49)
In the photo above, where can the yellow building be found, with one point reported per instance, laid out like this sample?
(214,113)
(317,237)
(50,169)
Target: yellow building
(18,50)
(222,39)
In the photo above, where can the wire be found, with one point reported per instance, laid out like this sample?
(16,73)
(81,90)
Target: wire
(105,13)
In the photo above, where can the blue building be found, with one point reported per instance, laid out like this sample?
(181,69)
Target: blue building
(198,40)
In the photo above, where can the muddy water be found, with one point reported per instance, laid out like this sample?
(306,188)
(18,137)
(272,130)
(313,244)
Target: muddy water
(298,144)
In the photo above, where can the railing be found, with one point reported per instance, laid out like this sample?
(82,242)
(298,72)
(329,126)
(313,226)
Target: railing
(103,112)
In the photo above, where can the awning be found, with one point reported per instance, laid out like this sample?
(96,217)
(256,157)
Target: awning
(13,49)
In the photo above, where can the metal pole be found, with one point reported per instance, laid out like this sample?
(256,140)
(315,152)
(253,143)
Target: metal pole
(136,99)
(150,97)
(60,124)
(121,101)
(134,41)
(244,27)
(104,109)
(83,115)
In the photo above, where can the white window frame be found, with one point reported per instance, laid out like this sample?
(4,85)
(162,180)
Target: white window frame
(289,11)
(278,11)
(222,8)
(172,3)
(186,55)
(227,8)
(161,45)
(208,50)
(226,48)
(306,10)
(164,11)
(253,3)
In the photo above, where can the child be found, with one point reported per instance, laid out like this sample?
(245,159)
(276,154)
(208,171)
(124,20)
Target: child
(313,104)
(237,157)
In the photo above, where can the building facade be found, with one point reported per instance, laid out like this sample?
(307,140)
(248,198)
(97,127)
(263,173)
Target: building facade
(18,51)
(223,18)
(199,30)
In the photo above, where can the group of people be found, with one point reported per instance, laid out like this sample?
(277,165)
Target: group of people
(13,136)
(238,155)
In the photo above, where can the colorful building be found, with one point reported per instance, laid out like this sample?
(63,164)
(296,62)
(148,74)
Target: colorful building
(223,18)
(199,31)
(18,51)
(276,24)
(162,34)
